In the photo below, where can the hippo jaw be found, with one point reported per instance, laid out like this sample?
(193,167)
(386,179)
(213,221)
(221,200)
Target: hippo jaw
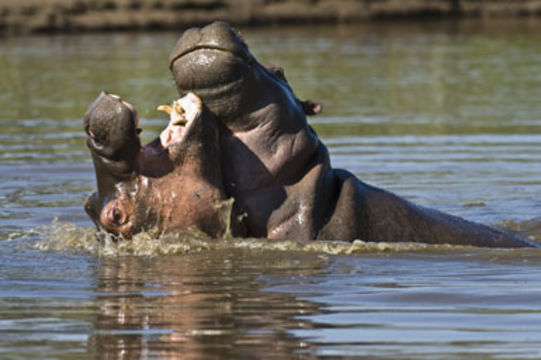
(219,55)
(215,63)
(111,125)
(183,119)
(128,202)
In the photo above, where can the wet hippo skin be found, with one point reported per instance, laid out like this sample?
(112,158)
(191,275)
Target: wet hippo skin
(172,183)
(277,169)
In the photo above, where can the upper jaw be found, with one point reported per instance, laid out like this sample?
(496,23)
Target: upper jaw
(212,61)
(209,72)
(112,127)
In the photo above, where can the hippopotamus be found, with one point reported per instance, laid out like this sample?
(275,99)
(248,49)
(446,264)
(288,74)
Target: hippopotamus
(277,169)
(172,183)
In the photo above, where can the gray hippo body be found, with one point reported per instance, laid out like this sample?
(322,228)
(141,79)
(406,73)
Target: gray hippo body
(278,170)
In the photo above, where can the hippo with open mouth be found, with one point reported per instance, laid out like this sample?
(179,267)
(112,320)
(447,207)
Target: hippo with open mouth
(278,170)
(172,183)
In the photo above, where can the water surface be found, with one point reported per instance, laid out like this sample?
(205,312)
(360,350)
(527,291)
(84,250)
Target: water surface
(444,114)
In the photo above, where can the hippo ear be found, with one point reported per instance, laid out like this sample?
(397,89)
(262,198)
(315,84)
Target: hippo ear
(311,108)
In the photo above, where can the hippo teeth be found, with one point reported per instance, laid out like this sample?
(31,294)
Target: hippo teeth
(181,113)
(180,122)
(176,113)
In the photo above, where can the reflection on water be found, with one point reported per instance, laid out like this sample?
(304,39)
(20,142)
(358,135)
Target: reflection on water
(209,305)
(446,114)
(253,301)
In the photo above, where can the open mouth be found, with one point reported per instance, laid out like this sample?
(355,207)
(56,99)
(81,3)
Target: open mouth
(182,114)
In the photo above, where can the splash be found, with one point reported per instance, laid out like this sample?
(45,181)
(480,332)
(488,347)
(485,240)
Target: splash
(529,229)
(67,237)
(227,216)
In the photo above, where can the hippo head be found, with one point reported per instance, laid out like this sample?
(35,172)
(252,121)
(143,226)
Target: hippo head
(172,183)
(215,63)
(265,141)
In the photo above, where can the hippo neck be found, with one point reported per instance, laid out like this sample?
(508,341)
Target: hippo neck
(271,153)
(259,165)
(280,208)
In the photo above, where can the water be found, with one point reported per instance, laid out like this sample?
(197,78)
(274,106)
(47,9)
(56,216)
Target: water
(445,114)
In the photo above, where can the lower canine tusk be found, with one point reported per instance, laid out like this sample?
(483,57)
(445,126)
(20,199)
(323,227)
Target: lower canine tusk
(165,108)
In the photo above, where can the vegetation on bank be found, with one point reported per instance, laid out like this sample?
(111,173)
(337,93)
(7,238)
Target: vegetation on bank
(24,16)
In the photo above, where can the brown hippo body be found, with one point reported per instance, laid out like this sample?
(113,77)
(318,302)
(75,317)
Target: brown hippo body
(172,183)
(278,170)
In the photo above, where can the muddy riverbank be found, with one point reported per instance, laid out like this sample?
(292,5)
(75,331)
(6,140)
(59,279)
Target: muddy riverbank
(30,16)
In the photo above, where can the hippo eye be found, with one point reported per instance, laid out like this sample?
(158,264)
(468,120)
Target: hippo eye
(280,73)
(116,215)
(115,218)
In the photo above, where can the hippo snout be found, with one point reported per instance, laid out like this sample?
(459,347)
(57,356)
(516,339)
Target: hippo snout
(111,126)
(218,36)
(213,62)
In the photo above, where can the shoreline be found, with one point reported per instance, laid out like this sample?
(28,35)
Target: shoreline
(76,16)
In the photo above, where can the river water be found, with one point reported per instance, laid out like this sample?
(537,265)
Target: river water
(445,114)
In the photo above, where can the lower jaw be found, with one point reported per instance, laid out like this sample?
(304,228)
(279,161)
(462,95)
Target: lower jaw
(170,136)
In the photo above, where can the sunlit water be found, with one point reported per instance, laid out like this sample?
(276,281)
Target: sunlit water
(446,115)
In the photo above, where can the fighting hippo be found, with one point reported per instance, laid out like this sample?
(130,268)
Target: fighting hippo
(172,183)
(278,170)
